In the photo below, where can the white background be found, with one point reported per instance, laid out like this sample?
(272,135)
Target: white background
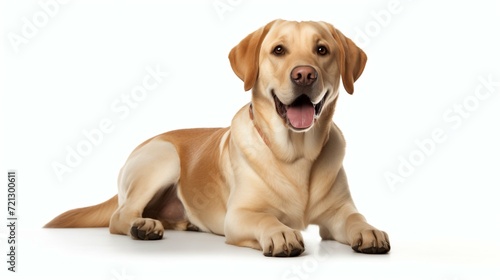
(424,59)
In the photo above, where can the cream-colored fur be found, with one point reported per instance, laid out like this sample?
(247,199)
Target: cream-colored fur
(260,181)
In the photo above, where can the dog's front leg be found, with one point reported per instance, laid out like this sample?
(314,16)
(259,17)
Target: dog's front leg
(350,227)
(346,225)
(262,231)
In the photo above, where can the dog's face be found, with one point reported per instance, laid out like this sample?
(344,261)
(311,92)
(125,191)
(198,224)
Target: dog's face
(298,71)
(295,69)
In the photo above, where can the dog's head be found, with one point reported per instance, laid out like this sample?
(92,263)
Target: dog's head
(297,67)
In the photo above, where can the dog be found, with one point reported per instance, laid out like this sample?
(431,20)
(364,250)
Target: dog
(274,171)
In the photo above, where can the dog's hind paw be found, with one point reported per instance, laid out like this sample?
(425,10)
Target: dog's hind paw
(147,229)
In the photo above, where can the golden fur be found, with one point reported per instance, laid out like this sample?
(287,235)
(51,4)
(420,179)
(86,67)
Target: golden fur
(262,180)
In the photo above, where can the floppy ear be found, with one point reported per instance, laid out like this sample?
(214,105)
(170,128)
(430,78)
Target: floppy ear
(244,57)
(352,59)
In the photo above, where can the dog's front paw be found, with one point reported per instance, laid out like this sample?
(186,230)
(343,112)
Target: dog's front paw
(286,243)
(147,229)
(371,241)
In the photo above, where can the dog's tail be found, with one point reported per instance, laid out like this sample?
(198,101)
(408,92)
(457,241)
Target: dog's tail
(92,216)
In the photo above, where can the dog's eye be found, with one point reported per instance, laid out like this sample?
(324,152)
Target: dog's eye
(279,50)
(322,50)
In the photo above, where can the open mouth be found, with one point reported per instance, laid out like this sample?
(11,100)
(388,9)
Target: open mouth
(300,115)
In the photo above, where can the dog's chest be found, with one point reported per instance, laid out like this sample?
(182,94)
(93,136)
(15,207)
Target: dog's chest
(290,185)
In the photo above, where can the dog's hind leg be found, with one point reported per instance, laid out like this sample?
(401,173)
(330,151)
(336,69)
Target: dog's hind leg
(149,171)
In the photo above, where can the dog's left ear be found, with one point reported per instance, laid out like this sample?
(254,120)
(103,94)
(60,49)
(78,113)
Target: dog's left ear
(352,59)
(244,57)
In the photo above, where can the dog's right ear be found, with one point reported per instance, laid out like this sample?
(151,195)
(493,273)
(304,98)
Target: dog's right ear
(244,57)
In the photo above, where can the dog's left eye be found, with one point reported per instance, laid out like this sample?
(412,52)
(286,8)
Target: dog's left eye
(322,50)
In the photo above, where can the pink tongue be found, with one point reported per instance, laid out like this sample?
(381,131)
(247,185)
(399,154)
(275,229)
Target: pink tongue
(300,116)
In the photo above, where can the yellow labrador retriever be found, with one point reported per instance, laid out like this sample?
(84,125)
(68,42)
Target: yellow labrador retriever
(275,170)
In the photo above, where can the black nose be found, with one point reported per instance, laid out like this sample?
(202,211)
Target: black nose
(303,75)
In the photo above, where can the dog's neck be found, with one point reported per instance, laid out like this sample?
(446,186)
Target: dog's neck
(262,135)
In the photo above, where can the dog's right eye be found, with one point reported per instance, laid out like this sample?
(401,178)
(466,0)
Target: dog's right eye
(279,50)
